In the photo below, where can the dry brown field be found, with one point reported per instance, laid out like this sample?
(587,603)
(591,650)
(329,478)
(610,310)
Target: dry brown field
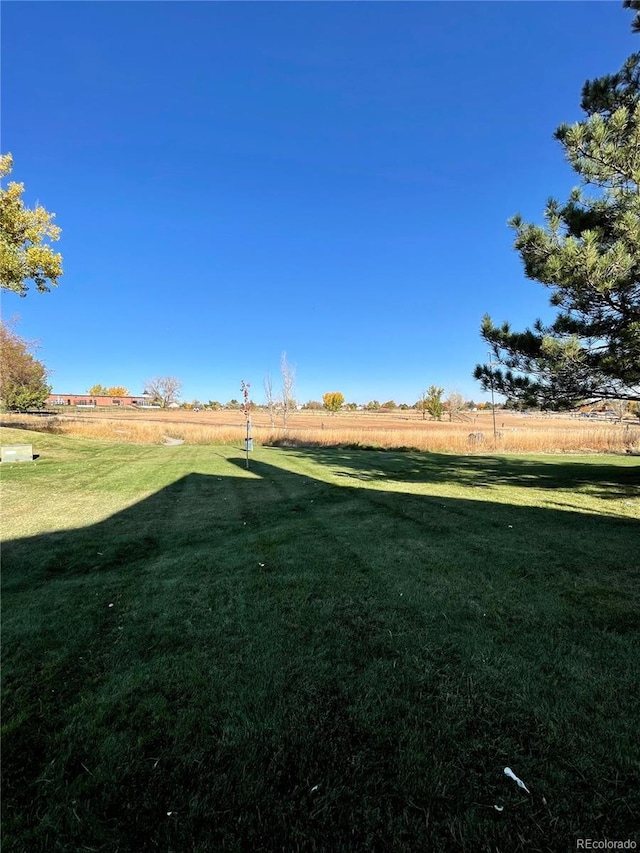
(474,433)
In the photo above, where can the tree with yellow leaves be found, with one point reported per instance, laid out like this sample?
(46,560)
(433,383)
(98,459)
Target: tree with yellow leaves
(333,401)
(108,391)
(25,253)
(23,379)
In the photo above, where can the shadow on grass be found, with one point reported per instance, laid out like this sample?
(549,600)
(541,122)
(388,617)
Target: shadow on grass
(267,661)
(601,478)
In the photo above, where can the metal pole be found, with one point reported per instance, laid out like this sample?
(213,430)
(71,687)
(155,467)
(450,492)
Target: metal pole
(244,387)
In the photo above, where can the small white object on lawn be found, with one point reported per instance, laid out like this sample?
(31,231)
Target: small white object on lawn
(499,808)
(509,772)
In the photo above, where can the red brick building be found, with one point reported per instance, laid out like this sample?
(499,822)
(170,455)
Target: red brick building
(93,401)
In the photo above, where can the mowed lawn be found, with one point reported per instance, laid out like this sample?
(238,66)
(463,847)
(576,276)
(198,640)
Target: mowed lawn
(335,650)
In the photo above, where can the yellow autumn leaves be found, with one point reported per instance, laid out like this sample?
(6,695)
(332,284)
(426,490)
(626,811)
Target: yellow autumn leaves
(25,233)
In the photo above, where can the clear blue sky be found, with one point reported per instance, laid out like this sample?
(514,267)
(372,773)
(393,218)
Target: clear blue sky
(333,180)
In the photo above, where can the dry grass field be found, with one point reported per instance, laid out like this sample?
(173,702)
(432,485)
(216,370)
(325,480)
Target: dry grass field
(516,433)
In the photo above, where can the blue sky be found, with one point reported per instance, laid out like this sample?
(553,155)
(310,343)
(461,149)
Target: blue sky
(333,180)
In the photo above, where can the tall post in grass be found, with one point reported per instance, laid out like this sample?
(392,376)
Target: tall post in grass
(493,405)
(244,387)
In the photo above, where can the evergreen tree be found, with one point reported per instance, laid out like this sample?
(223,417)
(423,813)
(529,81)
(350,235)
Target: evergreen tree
(588,255)
(634,4)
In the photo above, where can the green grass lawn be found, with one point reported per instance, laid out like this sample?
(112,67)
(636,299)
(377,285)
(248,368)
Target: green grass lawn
(336,650)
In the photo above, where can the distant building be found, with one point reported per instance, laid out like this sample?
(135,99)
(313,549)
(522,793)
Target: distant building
(93,401)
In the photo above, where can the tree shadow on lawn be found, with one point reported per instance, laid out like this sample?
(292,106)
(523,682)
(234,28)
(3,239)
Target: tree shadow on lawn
(602,479)
(266,661)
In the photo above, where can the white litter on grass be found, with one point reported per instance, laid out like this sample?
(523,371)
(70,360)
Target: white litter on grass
(111,605)
(261,565)
(499,808)
(509,772)
(315,788)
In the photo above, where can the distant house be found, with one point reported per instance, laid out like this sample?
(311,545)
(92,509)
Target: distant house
(93,401)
